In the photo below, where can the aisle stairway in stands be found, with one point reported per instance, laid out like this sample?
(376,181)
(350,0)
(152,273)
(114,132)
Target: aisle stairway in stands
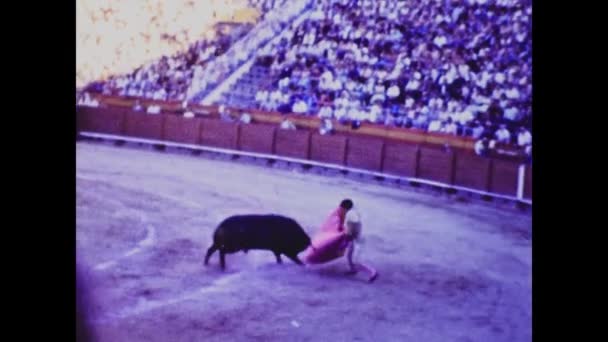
(240,88)
(242,93)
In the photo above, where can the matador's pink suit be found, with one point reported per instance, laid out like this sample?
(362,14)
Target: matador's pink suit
(329,242)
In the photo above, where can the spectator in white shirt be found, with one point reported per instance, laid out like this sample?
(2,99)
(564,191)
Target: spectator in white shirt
(275,99)
(435,126)
(450,127)
(286,124)
(379,94)
(451,74)
(354,113)
(482,147)
(464,116)
(482,81)
(326,127)
(336,85)
(511,114)
(524,137)
(81,98)
(528,150)
(440,41)
(342,101)
(88,101)
(477,130)
(300,107)
(499,78)
(370,85)
(375,111)
(153,109)
(309,38)
(381,74)
(284,82)
(326,80)
(160,94)
(351,85)
(393,92)
(512,93)
(318,14)
(246,118)
(409,102)
(326,112)
(375,116)
(340,113)
(261,96)
(463,70)
(502,135)
(421,121)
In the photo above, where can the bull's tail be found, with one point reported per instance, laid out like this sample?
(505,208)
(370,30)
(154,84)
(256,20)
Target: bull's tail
(218,244)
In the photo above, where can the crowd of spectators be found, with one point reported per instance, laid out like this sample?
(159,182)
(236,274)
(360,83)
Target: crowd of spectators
(85,99)
(457,67)
(445,66)
(169,78)
(278,14)
(115,36)
(204,64)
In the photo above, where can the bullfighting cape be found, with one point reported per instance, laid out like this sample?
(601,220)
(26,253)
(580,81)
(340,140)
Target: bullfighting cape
(329,243)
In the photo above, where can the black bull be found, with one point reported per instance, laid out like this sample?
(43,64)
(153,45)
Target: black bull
(279,234)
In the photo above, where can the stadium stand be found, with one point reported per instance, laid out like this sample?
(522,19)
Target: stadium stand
(459,68)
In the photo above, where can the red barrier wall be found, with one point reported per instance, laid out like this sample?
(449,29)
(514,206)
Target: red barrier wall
(371,130)
(218,133)
(328,148)
(472,171)
(182,130)
(293,144)
(256,138)
(388,156)
(435,164)
(142,125)
(504,177)
(364,153)
(100,120)
(528,182)
(400,159)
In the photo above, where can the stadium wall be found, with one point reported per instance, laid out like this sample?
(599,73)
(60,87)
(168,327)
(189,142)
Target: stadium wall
(410,158)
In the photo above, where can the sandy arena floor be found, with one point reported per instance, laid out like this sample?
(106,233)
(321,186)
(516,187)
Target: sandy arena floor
(449,270)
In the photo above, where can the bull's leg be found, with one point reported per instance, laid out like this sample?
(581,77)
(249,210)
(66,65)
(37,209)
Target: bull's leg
(222,259)
(278,255)
(210,251)
(295,259)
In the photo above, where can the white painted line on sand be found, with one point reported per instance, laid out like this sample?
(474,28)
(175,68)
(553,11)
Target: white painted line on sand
(148,241)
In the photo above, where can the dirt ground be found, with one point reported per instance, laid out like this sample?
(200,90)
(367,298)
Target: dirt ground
(450,270)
